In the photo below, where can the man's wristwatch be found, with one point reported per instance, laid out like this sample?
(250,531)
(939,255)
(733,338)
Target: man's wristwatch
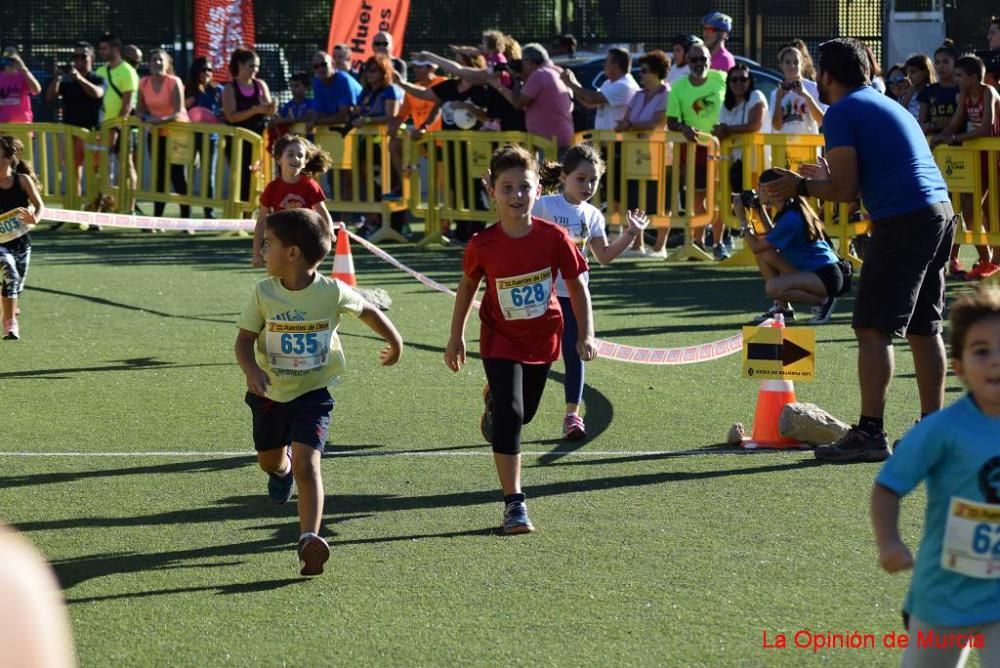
(802,189)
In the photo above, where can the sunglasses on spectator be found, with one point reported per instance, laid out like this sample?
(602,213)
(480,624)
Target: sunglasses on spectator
(739,79)
(319,66)
(698,60)
(380,43)
(79,56)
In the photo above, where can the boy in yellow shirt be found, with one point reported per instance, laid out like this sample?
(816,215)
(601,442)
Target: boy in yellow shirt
(289,351)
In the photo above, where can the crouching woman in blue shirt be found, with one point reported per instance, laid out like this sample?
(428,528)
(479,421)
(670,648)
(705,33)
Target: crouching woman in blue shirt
(797,261)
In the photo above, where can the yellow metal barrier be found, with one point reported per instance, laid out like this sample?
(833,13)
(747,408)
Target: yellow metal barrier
(456,163)
(52,148)
(638,162)
(361,178)
(962,168)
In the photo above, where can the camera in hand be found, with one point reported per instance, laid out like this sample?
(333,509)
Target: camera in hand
(65,68)
(750,199)
(791,85)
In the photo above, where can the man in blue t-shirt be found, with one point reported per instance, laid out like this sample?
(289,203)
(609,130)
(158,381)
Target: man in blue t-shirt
(334,91)
(901,290)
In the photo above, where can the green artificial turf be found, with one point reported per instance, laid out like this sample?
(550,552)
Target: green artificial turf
(656,545)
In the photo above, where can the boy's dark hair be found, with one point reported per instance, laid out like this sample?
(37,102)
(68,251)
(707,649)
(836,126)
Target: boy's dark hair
(575,156)
(303,228)
(114,41)
(621,58)
(971,65)
(302,78)
(845,60)
(86,46)
(967,310)
(511,156)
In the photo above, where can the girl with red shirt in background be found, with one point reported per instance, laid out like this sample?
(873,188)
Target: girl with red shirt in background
(300,163)
(521,323)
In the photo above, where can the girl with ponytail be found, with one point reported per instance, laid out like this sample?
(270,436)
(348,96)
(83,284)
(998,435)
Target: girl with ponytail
(578,177)
(20,209)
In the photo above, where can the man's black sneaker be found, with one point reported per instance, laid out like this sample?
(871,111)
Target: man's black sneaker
(787,313)
(854,447)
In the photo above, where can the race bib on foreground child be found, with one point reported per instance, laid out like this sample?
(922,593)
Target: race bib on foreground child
(299,345)
(972,539)
(525,297)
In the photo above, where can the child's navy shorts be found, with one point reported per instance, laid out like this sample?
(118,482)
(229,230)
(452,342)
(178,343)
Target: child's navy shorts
(305,419)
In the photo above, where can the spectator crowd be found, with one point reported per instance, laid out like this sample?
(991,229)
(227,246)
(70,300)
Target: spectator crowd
(694,86)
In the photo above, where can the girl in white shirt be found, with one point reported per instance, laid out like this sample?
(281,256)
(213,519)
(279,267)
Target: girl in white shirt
(795,103)
(579,175)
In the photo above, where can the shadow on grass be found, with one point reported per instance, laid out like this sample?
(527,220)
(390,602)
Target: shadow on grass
(101,301)
(131,364)
(238,588)
(194,465)
(256,510)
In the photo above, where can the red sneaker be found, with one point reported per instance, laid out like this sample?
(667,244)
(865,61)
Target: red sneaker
(990,269)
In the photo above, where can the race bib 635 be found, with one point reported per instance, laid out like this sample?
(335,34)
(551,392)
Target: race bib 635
(298,346)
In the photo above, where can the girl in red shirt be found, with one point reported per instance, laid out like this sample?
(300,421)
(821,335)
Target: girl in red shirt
(300,163)
(521,323)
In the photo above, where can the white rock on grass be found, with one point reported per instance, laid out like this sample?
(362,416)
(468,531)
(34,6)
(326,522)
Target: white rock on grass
(808,423)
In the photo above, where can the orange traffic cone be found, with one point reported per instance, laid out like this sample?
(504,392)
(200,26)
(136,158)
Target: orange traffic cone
(343,261)
(771,399)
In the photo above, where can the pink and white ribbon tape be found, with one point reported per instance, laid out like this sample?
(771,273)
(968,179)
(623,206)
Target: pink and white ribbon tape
(704,352)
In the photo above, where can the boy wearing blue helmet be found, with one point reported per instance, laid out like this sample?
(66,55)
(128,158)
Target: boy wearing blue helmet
(715,27)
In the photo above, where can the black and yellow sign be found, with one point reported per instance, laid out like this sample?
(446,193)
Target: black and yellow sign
(958,167)
(779,353)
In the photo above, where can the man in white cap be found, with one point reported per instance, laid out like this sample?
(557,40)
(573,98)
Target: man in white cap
(715,29)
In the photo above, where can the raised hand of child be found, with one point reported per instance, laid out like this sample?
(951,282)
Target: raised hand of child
(637,220)
(895,557)
(257,382)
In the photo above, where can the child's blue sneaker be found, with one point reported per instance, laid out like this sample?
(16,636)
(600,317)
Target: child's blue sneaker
(313,553)
(515,519)
(280,488)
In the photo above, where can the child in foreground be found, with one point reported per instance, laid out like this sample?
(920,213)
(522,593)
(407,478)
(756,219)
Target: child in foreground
(288,349)
(522,324)
(956,583)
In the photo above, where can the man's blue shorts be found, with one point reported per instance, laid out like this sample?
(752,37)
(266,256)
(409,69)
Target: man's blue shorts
(305,419)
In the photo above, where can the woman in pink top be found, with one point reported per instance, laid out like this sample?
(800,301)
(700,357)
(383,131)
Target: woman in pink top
(161,100)
(17,85)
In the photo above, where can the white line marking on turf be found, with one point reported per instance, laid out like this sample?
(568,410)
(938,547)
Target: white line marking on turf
(437,453)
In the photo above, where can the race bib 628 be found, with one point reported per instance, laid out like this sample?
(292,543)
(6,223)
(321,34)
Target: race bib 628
(526,296)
